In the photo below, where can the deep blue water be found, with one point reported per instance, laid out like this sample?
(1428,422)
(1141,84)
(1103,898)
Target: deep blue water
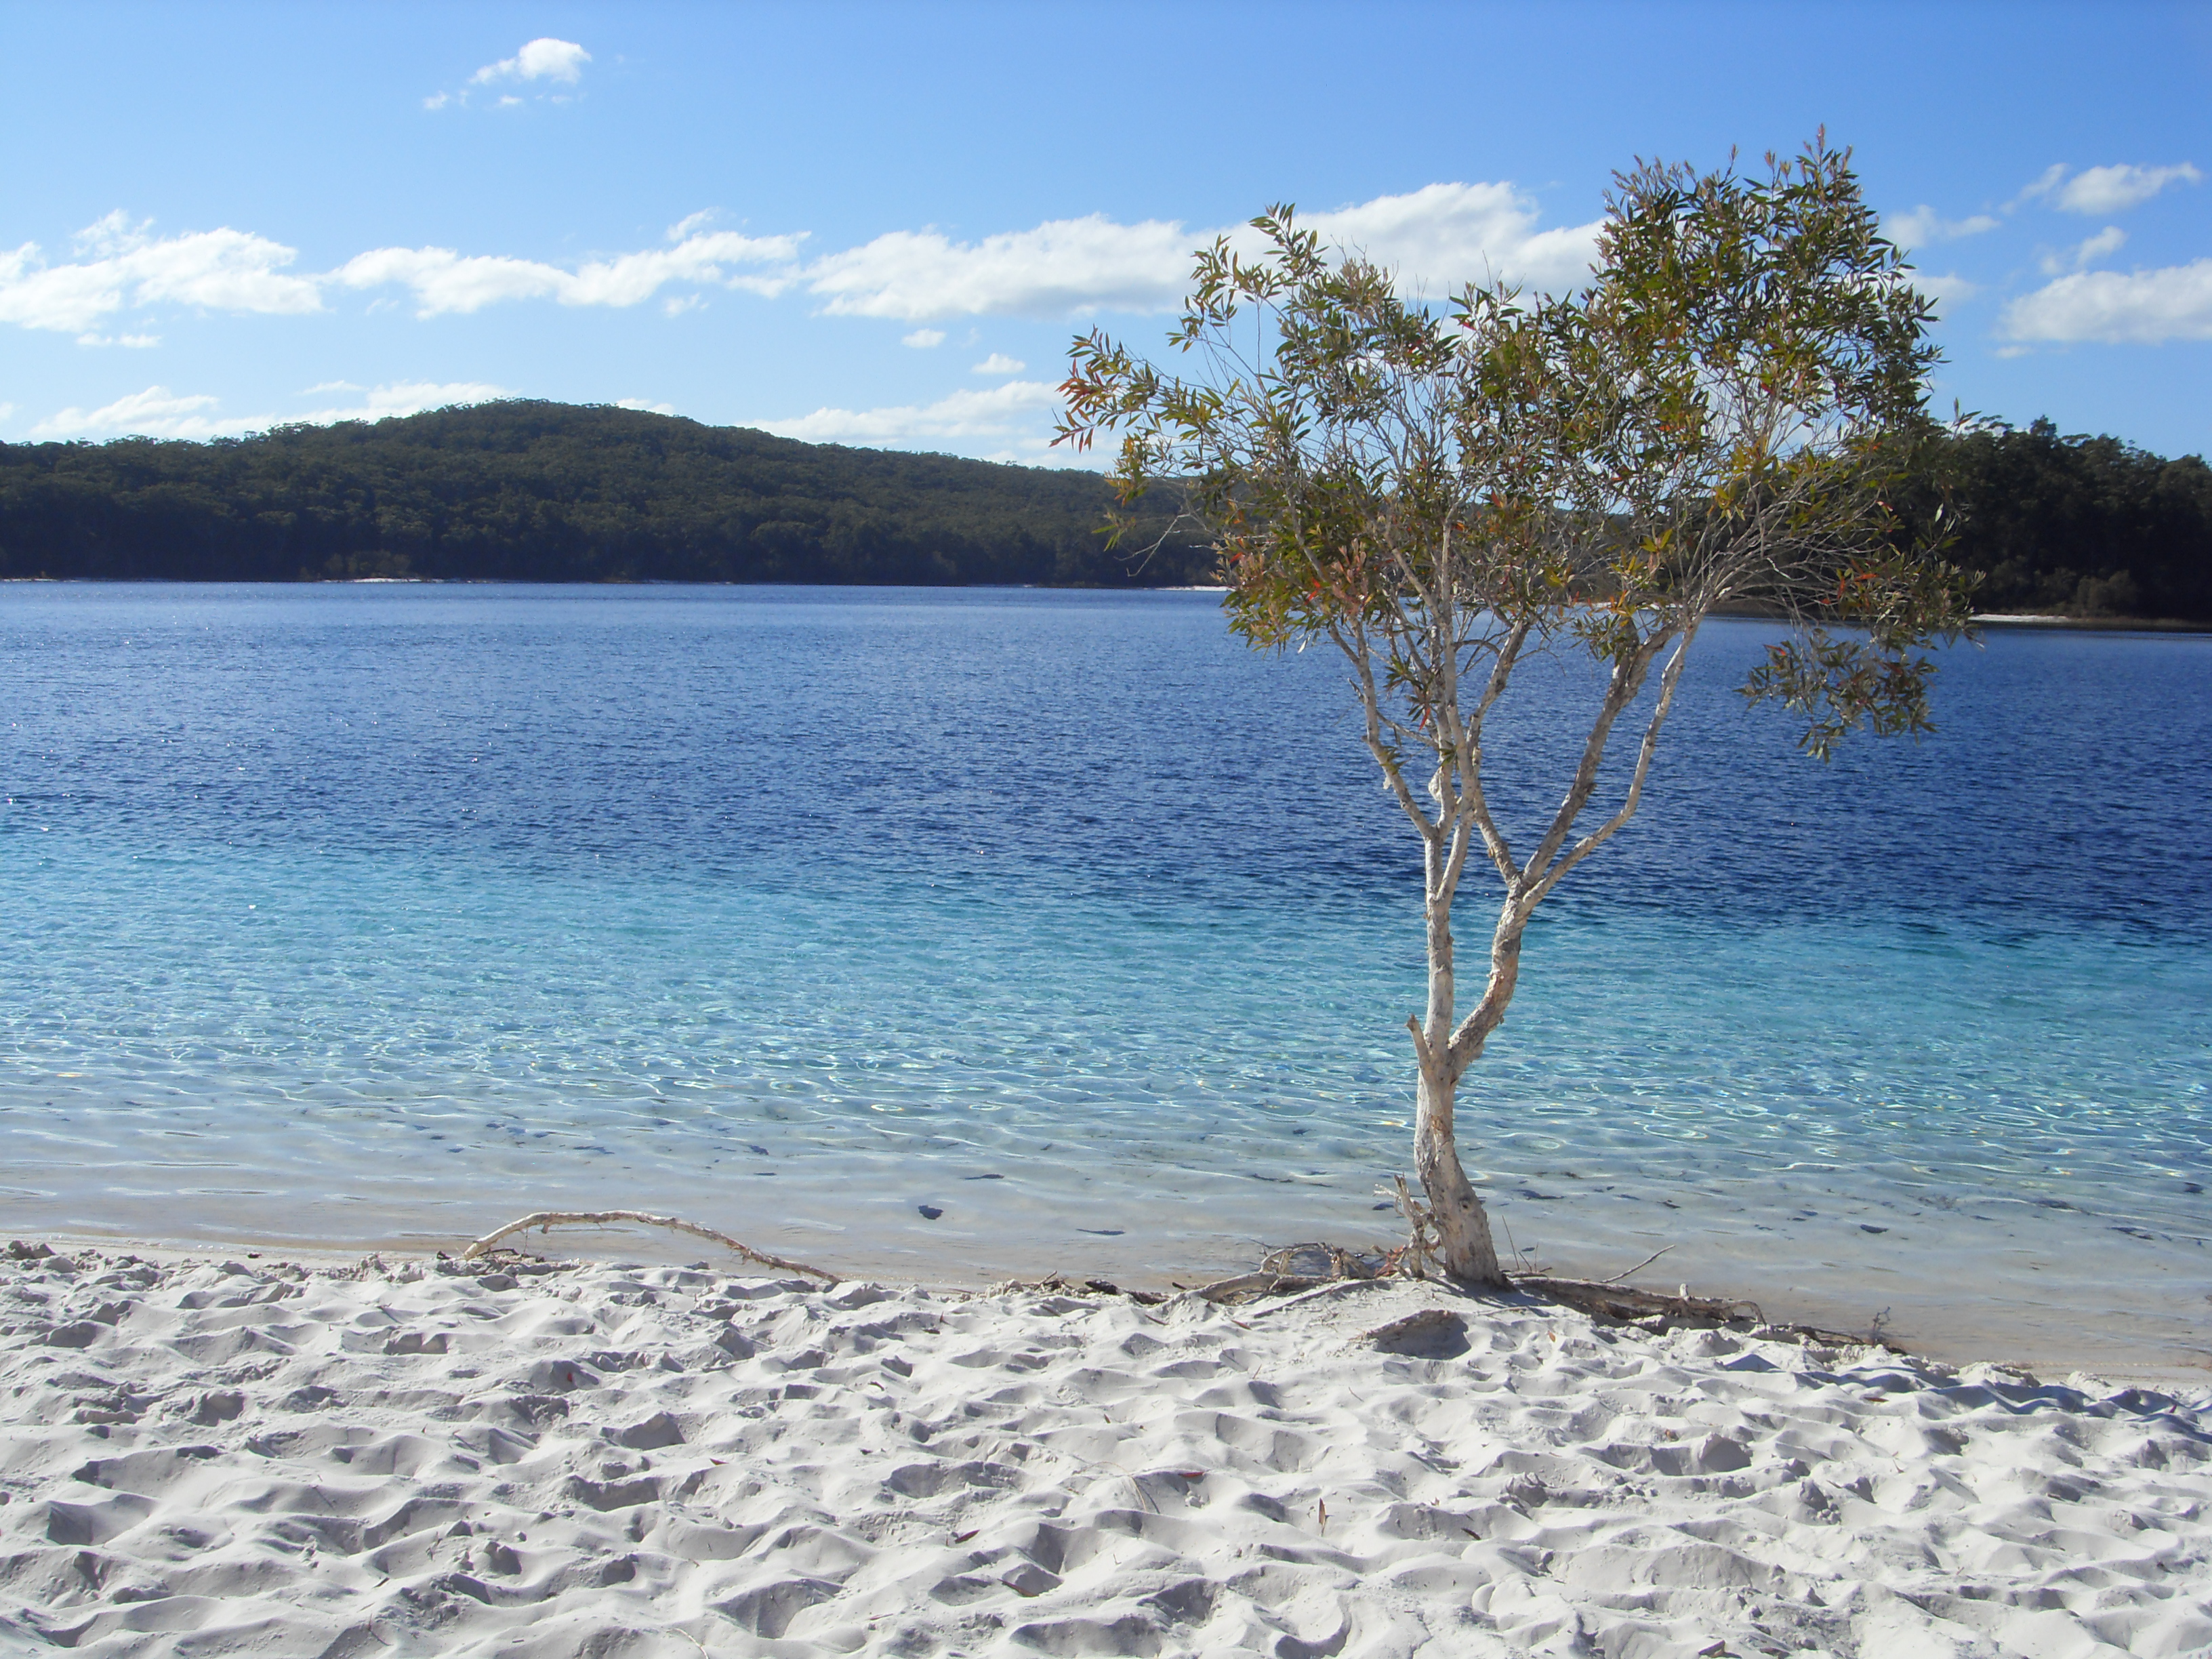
(353,911)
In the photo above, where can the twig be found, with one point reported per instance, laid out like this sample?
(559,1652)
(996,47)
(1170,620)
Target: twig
(548,1218)
(1639,1266)
(1525,1261)
(1329,1289)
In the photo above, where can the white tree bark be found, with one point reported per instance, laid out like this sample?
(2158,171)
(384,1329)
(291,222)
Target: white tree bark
(1445,1045)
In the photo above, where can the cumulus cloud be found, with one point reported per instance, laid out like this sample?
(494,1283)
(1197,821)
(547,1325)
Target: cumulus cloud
(2107,190)
(2143,308)
(646,405)
(1062,267)
(1442,235)
(157,412)
(1925,225)
(1435,238)
(2086,252)
(123,265)
(135,342)
(543,59)
(999,363)
(1001,411)
(923,338)
(443,281)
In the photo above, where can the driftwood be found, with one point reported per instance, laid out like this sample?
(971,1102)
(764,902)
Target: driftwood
(1056,1284)
(1655,1311)
(1297,1267)
(544,1219)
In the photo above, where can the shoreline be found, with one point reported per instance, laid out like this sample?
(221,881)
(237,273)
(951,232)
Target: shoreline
(541,1457)
(1957,1330)
(1989,619)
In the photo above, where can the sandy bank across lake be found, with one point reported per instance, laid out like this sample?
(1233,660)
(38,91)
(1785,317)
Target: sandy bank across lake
(550,1459)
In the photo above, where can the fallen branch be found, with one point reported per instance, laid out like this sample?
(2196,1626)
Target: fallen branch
(546,1219)
(1607,1300)
(1654,1310)
(1259,1284)
(1639,1266)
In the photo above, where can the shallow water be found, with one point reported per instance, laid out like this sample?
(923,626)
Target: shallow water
(355,914)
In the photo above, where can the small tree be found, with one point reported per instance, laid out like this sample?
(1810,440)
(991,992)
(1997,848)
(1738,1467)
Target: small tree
(1712,422)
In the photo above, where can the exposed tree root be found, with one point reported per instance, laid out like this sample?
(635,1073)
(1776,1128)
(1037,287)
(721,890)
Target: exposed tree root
(1654,1310)
(544,1219)
(1300,1271)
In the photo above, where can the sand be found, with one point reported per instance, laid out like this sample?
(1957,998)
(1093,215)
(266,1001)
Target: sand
(404,1458)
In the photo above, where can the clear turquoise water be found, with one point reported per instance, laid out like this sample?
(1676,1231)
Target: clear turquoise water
(361,915)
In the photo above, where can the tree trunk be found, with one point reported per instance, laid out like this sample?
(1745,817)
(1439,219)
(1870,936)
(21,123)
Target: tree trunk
(1462,1224)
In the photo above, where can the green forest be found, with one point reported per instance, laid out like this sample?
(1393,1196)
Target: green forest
(2076,526)
(2086,527)
(528,491)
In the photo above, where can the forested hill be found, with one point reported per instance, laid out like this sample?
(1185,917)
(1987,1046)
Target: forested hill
(2078,526)
(553,492)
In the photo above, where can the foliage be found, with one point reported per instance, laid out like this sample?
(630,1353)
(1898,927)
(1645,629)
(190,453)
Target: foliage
(540,491)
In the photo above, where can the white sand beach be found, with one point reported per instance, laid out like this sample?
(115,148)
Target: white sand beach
(209,1458)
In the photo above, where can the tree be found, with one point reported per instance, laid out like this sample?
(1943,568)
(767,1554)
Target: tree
(1444,494)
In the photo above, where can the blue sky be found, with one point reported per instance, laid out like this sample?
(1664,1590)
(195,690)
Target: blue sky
(880,224)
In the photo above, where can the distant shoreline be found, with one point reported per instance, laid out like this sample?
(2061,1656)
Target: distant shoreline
(1987,619)
(2096,624)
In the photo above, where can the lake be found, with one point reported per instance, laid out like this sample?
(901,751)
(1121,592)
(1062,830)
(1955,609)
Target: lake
(375,915)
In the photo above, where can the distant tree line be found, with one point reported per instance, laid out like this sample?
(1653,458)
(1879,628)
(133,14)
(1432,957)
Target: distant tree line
(2078,526)
(553,492)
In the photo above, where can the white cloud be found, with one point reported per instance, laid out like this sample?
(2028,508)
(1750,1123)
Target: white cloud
(543,59)
(2048,180)
(1434,238)
(1063,267)
(2145,308)
(2110,190)
(648,407)
(684,226)
(214,270)
(2107,190)
(1441,236)
(135,342)
(999,363)
(438,100)
(157,412)
(402,397)
(923,338)
(1947,290)
(2110,239)
(1925,225)
(998,412)
(443,281)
